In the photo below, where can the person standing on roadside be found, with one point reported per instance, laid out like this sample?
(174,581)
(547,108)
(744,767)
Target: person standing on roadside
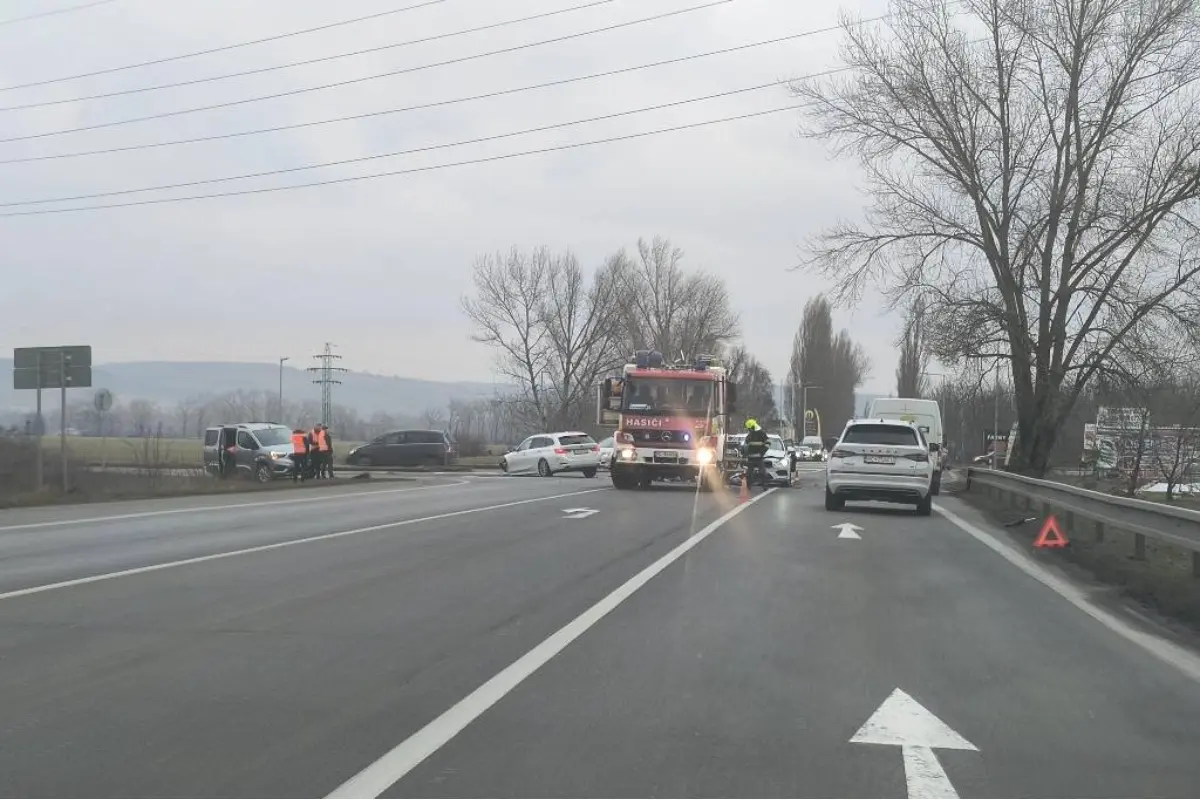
(301,445)
(315,458)
(326,451)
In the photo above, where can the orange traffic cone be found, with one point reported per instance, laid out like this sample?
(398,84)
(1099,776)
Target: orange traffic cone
(745,495)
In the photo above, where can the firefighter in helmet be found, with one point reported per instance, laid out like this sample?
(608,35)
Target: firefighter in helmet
(755,451)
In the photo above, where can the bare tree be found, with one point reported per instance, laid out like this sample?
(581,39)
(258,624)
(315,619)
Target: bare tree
(143,414)
(1177,454)
(850,368)
(558,330)
(507,310)
(1034,179)
(756,387)
(580,335)
(670,310)
(1172,451)
(910,372)
(435,418)
(831,366)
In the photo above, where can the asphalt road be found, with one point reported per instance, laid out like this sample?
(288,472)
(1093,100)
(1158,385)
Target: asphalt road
(465,636)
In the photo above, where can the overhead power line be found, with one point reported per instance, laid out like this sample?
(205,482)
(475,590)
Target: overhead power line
(409,171)
(422,106)
(351,81)
(307,62)
(54,12)
(423,149)
(211,50)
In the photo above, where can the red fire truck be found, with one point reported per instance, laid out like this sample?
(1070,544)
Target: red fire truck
(670,418)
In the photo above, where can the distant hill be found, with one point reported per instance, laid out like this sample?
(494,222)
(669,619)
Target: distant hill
(169,382)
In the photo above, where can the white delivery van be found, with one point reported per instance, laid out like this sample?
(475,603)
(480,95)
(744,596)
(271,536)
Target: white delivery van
(926,415)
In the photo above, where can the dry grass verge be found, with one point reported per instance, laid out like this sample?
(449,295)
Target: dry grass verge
(149,478)
(1162,581)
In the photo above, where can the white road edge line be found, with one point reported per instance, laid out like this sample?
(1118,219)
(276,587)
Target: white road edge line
(226,507)
(1182,659)
(324,537)
(375,779)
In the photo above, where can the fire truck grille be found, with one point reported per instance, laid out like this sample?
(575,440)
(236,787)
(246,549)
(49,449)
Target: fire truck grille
(665,440)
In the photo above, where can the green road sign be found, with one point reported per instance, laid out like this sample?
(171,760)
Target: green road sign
(67,367)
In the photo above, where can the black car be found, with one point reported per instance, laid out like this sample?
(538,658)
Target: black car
(414,448)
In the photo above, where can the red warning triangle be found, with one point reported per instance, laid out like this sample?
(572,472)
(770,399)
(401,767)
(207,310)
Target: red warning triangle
(1051,535)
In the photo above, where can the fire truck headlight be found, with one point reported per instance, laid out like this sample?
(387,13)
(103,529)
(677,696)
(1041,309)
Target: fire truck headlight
(627,455)
(704,455)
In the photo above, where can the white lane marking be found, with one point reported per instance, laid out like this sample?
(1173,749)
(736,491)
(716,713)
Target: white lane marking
(324,537)
(924,775)
(903,722)
(579,513)
(1182,659)
(375,779)
(848,530)
(228,507)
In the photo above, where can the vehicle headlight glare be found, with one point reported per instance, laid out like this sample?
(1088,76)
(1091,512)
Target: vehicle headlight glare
(704,455)
(627,454)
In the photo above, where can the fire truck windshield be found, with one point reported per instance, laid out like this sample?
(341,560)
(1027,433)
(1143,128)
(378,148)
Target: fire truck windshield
(668,396)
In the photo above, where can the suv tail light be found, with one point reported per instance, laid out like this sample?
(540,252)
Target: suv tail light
(918,456)
(560,451)
(840,454)
(595,448)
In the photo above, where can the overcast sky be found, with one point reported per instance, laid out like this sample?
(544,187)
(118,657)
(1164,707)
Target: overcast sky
(378,266)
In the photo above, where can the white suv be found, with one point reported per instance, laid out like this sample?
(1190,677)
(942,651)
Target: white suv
(880,459)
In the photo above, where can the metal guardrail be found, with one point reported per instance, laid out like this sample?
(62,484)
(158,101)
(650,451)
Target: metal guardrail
(1144,519)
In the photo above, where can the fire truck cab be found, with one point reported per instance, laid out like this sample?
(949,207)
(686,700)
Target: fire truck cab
(671,420)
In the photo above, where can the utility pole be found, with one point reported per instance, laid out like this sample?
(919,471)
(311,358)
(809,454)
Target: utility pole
(326,380)
(281,360)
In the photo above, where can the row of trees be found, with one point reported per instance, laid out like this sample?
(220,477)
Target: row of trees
(473,422)
(1162,444)
(1035,170)
(556,329)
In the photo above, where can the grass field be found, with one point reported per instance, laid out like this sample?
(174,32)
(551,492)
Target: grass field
(135,452)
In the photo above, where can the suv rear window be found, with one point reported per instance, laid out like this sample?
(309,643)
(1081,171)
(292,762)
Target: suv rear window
(891,435)
(576,438)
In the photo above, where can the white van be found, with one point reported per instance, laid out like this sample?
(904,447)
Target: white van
(925,414)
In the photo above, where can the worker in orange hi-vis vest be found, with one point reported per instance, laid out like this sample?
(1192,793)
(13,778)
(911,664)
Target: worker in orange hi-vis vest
(325,445)
(301,444)
(320,455)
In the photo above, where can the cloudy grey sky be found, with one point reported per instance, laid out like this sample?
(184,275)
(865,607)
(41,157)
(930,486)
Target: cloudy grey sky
(383,262)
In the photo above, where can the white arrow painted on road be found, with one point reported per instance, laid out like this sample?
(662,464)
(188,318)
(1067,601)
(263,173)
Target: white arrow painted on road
(579,513)
(848,530)
(904,722)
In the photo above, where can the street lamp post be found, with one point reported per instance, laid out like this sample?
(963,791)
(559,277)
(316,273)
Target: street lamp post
(281,360)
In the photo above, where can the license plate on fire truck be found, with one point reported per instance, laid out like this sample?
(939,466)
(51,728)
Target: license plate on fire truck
(665,455)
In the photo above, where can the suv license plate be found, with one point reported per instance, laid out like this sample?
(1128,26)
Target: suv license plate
(879,460)
(666,454)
